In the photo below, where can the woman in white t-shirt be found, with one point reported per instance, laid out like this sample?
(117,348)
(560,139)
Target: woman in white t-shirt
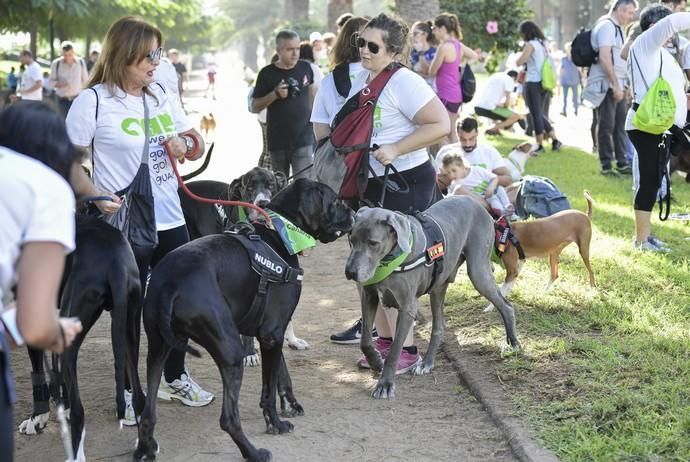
(408,118)
(332,94)
(648,59)
(36,212)
(109,115)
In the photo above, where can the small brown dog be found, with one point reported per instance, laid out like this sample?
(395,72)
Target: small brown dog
(207,124)
(548,237)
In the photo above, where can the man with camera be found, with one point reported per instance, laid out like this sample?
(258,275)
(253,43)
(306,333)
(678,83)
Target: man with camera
(286,89)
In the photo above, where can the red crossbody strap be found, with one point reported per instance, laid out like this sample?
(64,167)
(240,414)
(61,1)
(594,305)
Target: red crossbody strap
(372,91)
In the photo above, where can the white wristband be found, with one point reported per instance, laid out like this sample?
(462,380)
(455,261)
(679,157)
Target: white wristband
(9,320)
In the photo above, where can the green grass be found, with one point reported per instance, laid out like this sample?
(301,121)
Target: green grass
(604,374)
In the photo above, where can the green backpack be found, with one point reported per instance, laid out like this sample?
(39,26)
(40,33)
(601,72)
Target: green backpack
(548,72)
(657,111)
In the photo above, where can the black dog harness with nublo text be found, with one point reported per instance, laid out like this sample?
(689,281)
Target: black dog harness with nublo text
(271,268)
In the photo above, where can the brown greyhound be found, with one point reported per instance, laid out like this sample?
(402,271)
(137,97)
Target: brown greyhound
(548,237)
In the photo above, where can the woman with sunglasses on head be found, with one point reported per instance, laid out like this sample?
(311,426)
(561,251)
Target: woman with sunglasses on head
(446,67)
(107,119)
(408,118)
(337,84)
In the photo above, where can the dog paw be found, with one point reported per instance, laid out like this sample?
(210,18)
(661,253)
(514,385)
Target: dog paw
(422,369)
(34,424)
(489,308)
(294,410)
(297,343)
(282,426)
(252,360)
(384,390)
(262,455)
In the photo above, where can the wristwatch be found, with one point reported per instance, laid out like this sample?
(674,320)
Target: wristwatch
(189,142)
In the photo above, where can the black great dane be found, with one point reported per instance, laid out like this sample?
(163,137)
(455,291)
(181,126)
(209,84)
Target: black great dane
(101,274)
(207,290)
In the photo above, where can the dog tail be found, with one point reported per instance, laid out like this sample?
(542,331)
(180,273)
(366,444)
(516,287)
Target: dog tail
(590,203)
(117,279)
(203,167)
(166,332)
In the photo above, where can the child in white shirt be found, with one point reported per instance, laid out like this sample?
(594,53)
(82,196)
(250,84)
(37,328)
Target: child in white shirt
(477,181)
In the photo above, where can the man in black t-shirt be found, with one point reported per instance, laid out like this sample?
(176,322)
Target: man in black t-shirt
(180,68)
(286,89)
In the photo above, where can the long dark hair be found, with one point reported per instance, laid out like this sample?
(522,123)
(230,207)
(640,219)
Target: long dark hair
(530,31)
(425,26)
(450,22)
(34,129)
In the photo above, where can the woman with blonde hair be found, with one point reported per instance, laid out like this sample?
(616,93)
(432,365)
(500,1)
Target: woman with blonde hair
(120,113)
(446,67)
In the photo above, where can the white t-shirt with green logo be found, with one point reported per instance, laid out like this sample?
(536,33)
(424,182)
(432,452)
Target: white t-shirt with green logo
(402,97)
(118,136)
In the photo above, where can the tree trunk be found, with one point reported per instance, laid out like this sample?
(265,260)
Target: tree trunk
(33,37)
(297,10)
(417,10)
(87,47)
(568,14)
(335,9)
(250,45)
(51,37)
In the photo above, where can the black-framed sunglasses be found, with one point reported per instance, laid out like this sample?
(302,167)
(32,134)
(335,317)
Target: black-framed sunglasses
(373,47)
(155,54)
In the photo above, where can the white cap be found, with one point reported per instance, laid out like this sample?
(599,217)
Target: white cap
(314,36)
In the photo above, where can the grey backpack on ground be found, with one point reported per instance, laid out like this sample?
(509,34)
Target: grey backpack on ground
(539,197)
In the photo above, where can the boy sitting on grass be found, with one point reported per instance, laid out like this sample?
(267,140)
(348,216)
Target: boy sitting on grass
(476,182)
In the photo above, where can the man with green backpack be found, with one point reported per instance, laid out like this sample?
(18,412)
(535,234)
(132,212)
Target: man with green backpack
(607,84)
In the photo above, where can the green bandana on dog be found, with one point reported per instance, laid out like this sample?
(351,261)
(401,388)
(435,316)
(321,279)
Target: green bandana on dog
(294,238)
(388,264)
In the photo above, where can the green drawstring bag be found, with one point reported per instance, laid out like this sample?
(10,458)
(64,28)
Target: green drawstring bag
(548,74)
(657,111)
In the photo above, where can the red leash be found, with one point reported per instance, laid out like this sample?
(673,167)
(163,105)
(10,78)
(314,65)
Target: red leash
(211,201)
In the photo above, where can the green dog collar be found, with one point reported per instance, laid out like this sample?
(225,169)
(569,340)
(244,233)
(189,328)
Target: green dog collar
(389,264)
(294,238)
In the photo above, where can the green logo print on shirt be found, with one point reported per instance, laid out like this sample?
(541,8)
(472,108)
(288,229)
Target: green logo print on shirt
(481,188)
(162,124)
(377,117)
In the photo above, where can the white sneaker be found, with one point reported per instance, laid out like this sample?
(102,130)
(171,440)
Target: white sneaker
(185,390)
(130,419)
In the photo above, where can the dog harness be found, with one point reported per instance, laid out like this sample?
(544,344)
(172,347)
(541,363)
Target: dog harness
(271,268)
(432,255)
(505,237)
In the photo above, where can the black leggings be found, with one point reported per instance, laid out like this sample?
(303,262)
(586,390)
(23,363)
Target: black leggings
(6,415)
(423,191)
(649,160)
(534,95)
(168,241)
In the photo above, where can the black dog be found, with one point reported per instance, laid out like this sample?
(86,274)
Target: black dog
(257,186)
(205,290)
(101,274)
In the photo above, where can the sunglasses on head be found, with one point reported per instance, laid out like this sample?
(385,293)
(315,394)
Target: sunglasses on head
(373,47)
(155,54)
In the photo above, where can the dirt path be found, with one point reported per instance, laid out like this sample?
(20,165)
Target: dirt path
(433,418)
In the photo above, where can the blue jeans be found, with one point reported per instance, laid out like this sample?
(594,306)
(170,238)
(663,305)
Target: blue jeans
(576,98)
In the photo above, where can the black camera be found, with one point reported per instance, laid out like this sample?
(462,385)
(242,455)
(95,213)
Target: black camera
(294,88)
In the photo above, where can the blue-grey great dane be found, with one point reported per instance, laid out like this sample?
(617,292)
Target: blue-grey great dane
(468,232)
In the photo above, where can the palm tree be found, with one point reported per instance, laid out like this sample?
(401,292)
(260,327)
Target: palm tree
(417,10)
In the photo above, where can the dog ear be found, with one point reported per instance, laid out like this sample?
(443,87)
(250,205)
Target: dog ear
(235,188)
(401,225)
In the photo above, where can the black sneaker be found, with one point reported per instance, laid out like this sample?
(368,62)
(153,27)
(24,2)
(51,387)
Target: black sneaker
(540,149)
(556,145)
(624,170)
(609,172)
(352,335)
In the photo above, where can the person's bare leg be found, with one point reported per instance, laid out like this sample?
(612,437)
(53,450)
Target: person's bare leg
(391,318)
(643,225)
